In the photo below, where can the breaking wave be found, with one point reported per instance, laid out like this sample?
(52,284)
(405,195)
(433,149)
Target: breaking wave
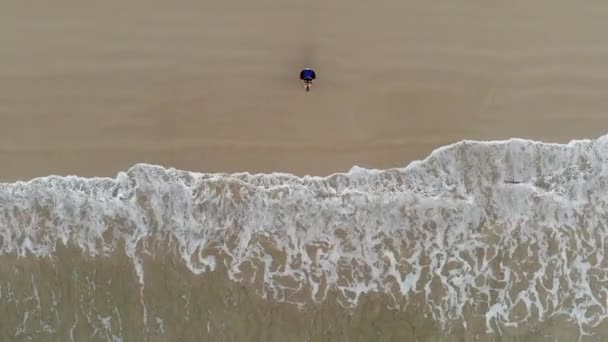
(515,230)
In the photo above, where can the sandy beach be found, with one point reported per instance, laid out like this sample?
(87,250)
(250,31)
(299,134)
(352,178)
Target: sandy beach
(212,86)
(491,240)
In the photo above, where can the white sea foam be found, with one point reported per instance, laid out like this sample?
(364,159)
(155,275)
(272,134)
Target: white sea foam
(512,224)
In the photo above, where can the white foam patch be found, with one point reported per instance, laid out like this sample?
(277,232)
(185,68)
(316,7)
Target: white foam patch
(518,225)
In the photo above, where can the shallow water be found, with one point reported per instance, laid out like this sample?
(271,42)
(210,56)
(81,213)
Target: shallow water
(480,241)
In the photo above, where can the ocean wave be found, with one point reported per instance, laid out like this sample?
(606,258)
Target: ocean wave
(514,230)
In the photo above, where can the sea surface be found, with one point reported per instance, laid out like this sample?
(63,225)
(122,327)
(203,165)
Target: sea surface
(480,241)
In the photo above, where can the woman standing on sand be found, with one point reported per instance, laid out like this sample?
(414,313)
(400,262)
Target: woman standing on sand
(307,75)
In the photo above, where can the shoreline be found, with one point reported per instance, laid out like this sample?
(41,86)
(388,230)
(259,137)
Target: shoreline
(262,171)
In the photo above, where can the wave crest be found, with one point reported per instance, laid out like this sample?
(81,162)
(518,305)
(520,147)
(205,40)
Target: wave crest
(512,230)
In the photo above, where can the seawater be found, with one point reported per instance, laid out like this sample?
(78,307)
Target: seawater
(480,241)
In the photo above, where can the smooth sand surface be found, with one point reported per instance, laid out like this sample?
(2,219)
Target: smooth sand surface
(211,86)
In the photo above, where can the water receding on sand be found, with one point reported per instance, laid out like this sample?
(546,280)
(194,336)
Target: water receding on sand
(479,240)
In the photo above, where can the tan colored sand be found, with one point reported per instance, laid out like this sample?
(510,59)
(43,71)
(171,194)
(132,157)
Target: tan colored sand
(92,89)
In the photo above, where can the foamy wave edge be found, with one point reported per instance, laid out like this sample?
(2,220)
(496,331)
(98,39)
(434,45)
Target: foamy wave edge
(495,227)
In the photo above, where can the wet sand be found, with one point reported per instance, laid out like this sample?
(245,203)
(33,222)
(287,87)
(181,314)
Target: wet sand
(212,86)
